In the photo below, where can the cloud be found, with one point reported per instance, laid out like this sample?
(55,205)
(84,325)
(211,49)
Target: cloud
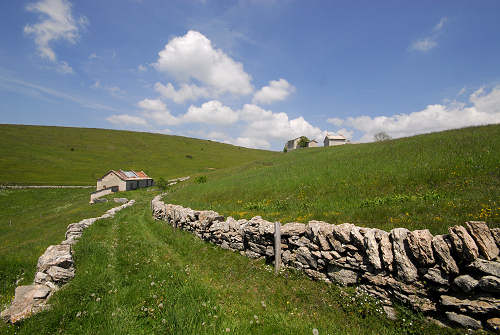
(156,110)
(56,23)
(277,90)
(64,68)
(113,90)
(184,93)
(483,108)
(429,42)
(335,121)
(125,119)
(193,57)
(424,44)
(141,68)
(211,112)
(440,24)
(93,56)
(268,126)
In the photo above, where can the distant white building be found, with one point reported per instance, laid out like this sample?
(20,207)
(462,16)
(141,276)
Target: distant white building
(333,140)
(293,144)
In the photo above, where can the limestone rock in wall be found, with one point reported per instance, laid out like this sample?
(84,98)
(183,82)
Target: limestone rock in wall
(465,283)
(463,243)
(304,256)
(495,232)
(318,231)
(486,267)
(292,229)
(443,255)
(356,238)
(60,275)
(385,249)
(343,232)
(28,300)
(463,320)
(490,284)
(435,275)
(372,250)
(406,270)
(420,243)
(55,255)
(342,276)
(476,305)
(483,238)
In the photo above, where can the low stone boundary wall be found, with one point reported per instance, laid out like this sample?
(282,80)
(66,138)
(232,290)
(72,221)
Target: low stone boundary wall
(453,277)
(54,269)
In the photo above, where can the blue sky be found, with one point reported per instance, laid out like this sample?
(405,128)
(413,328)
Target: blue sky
(251,73)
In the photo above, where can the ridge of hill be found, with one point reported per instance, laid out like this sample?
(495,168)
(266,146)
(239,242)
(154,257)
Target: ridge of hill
(425,181)
(47,155)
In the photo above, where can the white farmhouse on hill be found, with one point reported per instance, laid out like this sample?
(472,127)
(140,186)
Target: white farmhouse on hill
(332,140)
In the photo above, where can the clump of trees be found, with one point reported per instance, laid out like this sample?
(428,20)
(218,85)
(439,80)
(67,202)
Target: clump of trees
(303,142)
(381,136)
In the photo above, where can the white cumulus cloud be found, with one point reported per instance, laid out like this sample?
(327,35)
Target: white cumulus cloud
(184,93)
(56,23)
(157,110)
(211,112)
(193,56)
(277,90)
(266,125)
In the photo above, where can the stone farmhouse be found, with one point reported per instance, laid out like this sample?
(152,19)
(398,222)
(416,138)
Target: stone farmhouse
(293,144)
(333,140)
(120,180)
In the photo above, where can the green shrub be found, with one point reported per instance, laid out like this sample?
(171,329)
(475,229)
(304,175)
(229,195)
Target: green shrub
(162,183)
(200,179)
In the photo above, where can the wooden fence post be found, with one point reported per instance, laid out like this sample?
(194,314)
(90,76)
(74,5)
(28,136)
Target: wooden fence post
(277,247)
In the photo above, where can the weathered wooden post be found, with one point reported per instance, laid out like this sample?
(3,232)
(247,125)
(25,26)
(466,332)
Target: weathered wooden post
(277,247)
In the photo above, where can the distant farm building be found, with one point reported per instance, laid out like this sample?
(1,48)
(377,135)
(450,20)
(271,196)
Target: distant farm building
(119,180)
(333,140)
(294,144)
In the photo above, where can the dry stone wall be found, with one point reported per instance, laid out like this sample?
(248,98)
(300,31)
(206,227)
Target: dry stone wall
(453,277)
(54,269)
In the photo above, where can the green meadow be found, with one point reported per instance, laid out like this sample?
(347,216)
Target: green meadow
(39,155)
(428,181)
(135,275)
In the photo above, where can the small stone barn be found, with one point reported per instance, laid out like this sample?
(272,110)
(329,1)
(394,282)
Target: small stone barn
(120,180)
(333,140)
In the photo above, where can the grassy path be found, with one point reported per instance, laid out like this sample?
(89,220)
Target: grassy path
(139,276)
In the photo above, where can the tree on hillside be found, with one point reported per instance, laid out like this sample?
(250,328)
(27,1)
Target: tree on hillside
(381,136)
(303,142)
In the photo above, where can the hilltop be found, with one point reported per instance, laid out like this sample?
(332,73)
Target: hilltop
(77,156)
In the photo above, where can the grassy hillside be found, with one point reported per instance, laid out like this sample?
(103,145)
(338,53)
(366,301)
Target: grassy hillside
(135,275)
(428,181)
(78,156)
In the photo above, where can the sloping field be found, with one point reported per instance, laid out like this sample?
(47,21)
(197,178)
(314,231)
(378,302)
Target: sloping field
(78,156)
(427,181)
(135,275)
(31,220)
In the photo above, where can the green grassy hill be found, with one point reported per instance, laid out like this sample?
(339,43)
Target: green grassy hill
(427,181)
(78,156)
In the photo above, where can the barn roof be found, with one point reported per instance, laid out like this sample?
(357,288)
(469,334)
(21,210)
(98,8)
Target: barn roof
(129,175)
(335,137)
